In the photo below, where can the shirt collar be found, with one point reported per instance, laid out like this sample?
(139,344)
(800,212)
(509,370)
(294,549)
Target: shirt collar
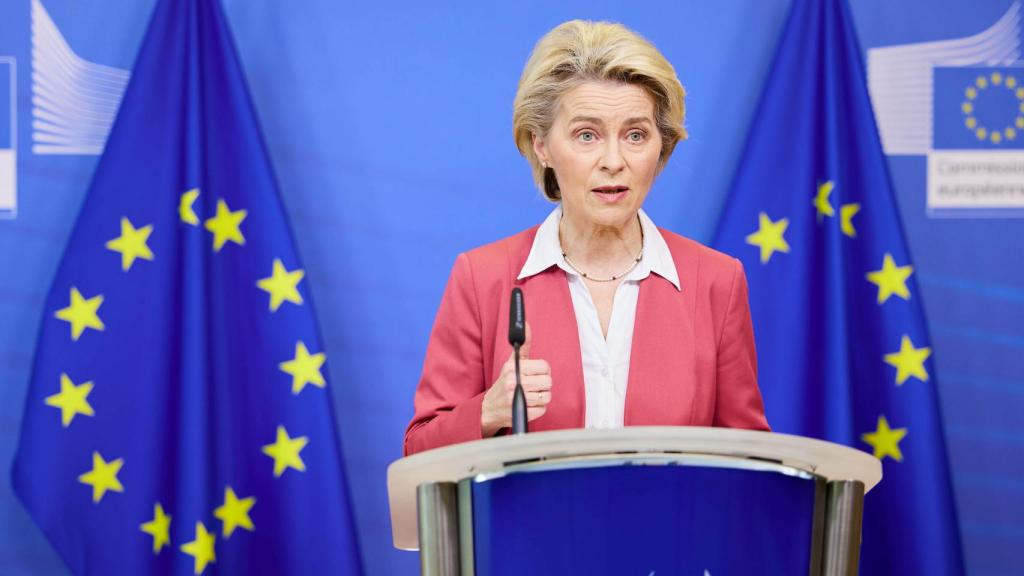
(547,252)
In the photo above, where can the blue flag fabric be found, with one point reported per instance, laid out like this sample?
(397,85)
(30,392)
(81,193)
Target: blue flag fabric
(178,420)
(843,349)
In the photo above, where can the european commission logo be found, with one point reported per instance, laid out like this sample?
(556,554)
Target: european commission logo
(8,142)
(960,103)
(979,108)
(977,157)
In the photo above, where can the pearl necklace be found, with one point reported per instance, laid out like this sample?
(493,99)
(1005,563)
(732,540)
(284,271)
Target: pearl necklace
(639,257)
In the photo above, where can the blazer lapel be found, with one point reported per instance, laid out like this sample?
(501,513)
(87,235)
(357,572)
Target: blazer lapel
(662,364)
(555,338)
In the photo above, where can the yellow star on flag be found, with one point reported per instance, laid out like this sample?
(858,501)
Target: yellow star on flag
(769,236)
(71,400)
(304,368)
(234,512)
(81,313)
(131,244)
(159,528)
(185,207)
(201,548)
(846,214)
(885,440)
(225,226)
(103,476)
(891,279)
(282,285)
(821,202)
(285,452)
(909,361)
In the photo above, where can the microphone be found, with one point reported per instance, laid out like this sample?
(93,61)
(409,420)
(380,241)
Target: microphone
(517,337)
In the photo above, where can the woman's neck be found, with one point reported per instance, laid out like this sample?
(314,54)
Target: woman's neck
(600,250)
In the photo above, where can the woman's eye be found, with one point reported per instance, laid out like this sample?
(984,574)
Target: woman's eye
(586,136)
(635,136)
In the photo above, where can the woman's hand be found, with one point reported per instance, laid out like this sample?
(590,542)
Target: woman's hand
(496,412)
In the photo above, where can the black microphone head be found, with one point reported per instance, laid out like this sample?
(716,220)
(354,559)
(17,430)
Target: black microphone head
(516,318)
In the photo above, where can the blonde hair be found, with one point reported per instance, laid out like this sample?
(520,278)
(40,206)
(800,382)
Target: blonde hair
(579,51)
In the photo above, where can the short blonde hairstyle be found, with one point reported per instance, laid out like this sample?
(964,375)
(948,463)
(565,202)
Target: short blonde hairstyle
(579,51)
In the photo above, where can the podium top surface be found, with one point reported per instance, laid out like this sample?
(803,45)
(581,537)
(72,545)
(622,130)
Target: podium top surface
(497,455)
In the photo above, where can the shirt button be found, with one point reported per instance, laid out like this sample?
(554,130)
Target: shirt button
(605,372)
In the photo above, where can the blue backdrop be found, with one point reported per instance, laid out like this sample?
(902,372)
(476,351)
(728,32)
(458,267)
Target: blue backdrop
(389,127)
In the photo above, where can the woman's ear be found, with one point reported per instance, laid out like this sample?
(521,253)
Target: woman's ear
(540,150)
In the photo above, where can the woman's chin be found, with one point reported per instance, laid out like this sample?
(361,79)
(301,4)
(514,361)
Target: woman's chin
(611,216)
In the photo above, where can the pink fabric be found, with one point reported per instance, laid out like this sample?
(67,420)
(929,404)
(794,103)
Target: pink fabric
(693,361)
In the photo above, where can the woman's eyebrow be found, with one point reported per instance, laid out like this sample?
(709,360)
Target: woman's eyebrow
(595,120)
(638,120)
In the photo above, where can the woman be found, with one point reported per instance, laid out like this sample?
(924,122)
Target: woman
(628,324)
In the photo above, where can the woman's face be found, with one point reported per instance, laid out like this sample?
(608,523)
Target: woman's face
(604,147)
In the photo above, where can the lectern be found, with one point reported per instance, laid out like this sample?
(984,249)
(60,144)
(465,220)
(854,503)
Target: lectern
(648,501)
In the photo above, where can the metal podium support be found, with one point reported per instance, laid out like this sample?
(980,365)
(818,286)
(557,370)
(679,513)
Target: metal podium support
(438,505)
(844,513)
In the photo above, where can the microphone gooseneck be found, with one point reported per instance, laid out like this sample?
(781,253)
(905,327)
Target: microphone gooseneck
(517,337)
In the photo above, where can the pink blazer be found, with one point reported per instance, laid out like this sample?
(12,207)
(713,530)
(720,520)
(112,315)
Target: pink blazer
(692,362)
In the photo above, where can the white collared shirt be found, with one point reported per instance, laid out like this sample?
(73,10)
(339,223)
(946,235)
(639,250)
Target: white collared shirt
(605,362)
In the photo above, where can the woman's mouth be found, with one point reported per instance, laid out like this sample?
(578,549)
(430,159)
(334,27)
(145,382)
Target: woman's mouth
(610,194)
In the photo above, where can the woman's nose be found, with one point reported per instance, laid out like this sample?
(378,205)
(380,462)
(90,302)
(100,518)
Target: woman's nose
(611,159)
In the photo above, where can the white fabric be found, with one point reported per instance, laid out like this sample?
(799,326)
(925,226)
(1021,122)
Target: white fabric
(605,362)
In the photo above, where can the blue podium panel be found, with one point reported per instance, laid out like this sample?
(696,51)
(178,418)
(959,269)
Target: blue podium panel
(645,520)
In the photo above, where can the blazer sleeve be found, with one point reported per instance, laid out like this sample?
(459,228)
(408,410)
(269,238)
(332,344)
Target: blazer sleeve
(451,389)
(738,402)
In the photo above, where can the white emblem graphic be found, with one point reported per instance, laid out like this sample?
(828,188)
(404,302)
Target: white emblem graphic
(8,151)
(74,101)
(900,79)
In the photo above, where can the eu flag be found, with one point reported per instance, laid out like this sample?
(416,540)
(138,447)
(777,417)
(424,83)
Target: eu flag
(178,418)
(842,344)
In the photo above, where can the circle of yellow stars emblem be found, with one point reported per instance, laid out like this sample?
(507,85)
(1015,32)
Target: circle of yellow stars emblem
(82,313)
(969,106)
